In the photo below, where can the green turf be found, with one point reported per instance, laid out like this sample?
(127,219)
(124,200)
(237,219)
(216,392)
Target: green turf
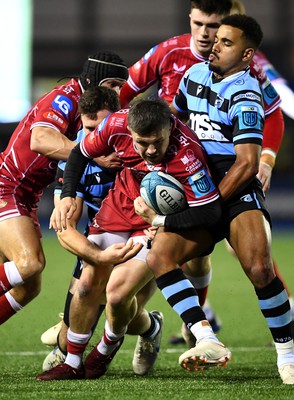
(252,373)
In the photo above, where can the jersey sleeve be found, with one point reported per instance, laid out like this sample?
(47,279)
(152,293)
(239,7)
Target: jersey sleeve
(180,100)
(270,96)
(247,116)
(57,110)
(145,72)
(96,144)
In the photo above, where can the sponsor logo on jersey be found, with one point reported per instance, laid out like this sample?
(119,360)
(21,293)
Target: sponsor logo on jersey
(249,116)
(190,161)
(219,101)
(149,54)
(247,198)
(3,203)
(247,96)
(178,69)
(68,89)
(62,104)
(53,117)
(199,89)
(136,66)
(206,129)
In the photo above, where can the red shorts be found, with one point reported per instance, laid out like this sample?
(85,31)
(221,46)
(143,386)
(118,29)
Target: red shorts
(117,214)
(14,203)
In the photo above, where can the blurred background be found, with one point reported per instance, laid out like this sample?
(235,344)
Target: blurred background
(43,41)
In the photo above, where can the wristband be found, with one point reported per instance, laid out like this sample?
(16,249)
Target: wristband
(158,220)
(268,157)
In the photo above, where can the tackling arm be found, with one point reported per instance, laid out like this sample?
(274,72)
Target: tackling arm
(51,143)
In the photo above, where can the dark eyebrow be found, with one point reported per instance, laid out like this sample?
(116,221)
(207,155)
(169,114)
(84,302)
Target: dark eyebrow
(209,25)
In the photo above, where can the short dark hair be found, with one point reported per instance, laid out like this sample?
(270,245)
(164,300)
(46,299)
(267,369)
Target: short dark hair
(221,7)
(98,98)
(147,116)
(251,29)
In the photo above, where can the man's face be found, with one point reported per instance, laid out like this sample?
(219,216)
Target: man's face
(115,84)
(229,53)
(152,148)
(203,30)
(90,124)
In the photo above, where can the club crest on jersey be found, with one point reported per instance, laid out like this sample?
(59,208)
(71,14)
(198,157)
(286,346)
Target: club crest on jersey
(270,91)
(201,182)
(249,116)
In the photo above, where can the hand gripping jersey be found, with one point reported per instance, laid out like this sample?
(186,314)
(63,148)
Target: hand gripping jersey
(223,112)
(185,160)
(21,166)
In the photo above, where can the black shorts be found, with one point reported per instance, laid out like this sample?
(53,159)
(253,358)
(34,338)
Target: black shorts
(251,198)
(79,265)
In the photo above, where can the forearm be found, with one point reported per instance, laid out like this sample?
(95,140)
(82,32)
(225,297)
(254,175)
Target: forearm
(237,178)
(77,244)
(273,133)
(204,216)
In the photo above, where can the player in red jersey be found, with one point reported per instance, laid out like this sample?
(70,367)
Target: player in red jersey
(278,81)
(165,64)
(148,138)
(28,166)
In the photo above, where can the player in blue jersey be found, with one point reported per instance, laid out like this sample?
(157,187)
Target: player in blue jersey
(224,109)
(223,104)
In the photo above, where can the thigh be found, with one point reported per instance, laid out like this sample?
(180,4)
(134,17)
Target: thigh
(129,278)
(250,237)
(171,248)
(20,237)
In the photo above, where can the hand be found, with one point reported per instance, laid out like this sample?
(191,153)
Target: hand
(150,232)
(143,210)
(63,211)
(264,175)
(111,161)
(119,253)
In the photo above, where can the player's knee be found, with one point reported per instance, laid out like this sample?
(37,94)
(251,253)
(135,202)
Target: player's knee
(84,289)
(152,260)
(116,296)
(260,274)
(29,267)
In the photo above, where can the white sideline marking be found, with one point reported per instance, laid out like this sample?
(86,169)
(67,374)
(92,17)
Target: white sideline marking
(178,350)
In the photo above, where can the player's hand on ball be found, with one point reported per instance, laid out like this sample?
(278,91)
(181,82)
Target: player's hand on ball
(143,210)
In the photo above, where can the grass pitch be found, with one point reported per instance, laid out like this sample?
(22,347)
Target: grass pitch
(252,373)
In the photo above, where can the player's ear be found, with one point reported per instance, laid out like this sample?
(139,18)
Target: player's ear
(248,54)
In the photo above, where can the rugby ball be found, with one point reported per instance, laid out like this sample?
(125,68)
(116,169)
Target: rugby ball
(163,193)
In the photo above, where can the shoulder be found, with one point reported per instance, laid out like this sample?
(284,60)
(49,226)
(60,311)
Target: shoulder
(115,122)
(177,41)
(196,70)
